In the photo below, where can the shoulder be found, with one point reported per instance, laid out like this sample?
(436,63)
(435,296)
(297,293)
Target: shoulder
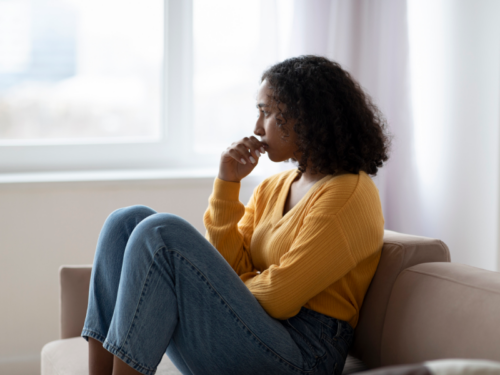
(339,192)
(350,183)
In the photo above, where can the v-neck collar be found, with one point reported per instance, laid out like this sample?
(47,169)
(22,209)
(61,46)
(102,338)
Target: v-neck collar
(280,203)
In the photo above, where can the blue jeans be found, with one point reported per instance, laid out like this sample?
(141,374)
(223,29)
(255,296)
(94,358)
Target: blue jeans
(158,286)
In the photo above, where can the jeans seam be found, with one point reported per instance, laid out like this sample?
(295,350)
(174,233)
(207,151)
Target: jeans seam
(294,367)
(335,347)
(336,338)
(100,337)
(121,349)
(144,286)
(318,320)
(317,357)
(121,352)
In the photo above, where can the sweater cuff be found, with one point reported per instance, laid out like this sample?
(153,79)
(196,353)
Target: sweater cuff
(226,190)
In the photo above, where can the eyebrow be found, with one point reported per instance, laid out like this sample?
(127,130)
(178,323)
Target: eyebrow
(262,105)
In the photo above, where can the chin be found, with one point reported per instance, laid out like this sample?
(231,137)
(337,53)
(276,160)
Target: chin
(279,158)
(274,158)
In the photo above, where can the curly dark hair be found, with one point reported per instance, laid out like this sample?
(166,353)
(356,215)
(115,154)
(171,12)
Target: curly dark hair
(337,125)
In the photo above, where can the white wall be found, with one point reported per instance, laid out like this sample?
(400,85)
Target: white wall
(46,225)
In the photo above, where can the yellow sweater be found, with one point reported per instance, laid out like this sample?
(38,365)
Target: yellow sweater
(321,255)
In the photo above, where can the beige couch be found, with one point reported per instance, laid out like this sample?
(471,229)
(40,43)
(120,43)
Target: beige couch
(419,307)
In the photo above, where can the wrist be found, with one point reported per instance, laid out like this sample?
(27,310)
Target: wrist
(227,179)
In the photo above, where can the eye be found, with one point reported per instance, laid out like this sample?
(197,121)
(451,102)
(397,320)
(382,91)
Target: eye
(280,121)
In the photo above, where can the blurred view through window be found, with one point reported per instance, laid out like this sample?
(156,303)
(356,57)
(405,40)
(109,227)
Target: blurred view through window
(80,69)
(234,41)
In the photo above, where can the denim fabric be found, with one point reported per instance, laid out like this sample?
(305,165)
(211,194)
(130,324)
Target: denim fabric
(158,286)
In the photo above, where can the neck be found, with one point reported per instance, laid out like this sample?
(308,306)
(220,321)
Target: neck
(308,177)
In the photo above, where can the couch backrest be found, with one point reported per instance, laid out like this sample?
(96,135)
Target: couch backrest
(399,252)
(442,310)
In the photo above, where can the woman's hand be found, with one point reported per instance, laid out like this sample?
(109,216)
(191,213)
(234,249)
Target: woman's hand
(240,159)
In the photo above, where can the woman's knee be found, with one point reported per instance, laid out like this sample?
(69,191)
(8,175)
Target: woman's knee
(164,231)
(163,219)
(133,214)
(168,225)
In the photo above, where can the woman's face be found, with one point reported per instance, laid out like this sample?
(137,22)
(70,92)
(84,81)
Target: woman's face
(278,147)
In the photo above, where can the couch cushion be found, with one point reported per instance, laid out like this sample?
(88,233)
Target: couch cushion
(413,369)
(71,357)
(353,366)
(399,252)
(441,367)
(463,367)
(442,310)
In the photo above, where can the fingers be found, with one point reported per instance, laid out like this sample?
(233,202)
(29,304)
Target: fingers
(240,153)
(247,150)
(254,146)
(259,146)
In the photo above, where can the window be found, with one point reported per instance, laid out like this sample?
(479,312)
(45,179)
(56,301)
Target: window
(92,86)
(80,69)
(128,84)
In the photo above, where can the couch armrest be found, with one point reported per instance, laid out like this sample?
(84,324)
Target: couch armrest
(442,310)
(74,282)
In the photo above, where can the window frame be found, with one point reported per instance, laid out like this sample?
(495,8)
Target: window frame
(175,148)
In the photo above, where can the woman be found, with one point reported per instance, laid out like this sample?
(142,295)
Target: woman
(276,286)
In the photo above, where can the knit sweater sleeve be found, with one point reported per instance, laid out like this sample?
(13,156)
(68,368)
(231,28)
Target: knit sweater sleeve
(229,224)
(319,256)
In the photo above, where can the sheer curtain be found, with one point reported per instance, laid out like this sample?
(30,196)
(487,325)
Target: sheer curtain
(455,62)
(437,81)
(370,40)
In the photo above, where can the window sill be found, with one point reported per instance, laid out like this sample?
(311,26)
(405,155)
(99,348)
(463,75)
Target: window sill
(114,177)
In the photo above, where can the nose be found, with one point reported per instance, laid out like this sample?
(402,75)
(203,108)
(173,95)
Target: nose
(259,129)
